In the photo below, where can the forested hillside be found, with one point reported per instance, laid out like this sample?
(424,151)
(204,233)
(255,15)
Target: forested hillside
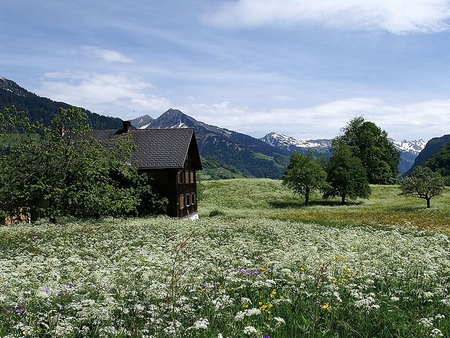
(43,109)
(433,146)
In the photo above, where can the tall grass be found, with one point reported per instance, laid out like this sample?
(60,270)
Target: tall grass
(254,270)
(268,198)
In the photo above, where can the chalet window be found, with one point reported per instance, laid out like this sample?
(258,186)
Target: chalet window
(192,178)
(193,198)
(180,177)
(181,202)
(188,202)
(186,177)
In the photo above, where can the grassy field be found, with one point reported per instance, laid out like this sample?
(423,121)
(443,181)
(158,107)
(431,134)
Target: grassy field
(268,198)
(256,264)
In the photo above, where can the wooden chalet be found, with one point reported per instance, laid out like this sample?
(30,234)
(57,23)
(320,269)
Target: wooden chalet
(171,157)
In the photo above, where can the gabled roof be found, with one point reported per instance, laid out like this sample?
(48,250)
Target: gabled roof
(159,148)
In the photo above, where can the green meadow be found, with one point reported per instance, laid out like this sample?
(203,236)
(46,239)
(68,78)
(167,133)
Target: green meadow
(256,264)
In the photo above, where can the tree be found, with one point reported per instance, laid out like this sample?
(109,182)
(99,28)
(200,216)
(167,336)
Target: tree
(371,145)
(423,183)
(346,175)
(304,175)
(58,170)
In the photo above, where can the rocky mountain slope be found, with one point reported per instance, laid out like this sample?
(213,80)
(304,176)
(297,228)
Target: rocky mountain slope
(226,153)
(409,150)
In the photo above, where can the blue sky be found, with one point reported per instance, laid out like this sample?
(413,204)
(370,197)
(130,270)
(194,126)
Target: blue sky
(303,68)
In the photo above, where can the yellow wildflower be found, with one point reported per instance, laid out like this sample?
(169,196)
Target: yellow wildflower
(327,307)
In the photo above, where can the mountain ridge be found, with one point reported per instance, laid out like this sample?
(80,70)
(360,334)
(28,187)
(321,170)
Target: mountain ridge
(245,155)
(281,146)
(226,153)
(44,109)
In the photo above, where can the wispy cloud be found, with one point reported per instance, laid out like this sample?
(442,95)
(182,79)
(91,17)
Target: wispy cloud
(107,94)
(128,98)
(108,55)
(395,16)
(402,121)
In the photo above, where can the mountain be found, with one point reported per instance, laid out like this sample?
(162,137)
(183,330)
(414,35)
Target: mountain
(227,153)
(141,122)
(290,144)
(409,150)
(440,163)
(43,109)
(432,147)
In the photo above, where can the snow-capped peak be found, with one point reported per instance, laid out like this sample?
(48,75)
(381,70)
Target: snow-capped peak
(410,146)
(283,141)
(290,143)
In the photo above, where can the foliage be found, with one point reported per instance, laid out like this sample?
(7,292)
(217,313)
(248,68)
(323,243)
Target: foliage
(233,159)
(304,175)
(222,277)
(371,145)
(432,147)
(58,170)
(346,175)
(423,183)
(440,163)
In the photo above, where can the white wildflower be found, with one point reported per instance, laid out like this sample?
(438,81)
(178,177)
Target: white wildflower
(436,333)
(427,322)
(139,307)
(253,312)
(202,323)
(279,320)
(250,330)
(239,316)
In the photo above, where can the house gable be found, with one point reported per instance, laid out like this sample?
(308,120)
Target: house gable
(171,157)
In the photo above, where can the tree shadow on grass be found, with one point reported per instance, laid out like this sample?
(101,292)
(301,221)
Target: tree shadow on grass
(301,204)
(409,209)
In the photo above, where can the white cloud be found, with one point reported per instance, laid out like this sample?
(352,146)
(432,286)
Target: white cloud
(127,98)
(405,121)
(106,94)
(108,55)
(395,16)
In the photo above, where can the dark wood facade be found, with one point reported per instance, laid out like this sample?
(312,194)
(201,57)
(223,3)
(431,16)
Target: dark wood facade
(171,157)
(179,186)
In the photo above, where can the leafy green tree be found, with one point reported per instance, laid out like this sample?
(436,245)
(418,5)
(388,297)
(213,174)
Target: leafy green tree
(371,145)
(58,170)
(304,175)
(423,183)
(440,163)
(346,175)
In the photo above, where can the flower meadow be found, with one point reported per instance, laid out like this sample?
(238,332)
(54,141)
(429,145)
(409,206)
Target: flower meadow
(223,276)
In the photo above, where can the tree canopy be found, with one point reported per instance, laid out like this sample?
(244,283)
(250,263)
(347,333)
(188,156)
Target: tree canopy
(346,175)
(371,145)
(423,183)
(59,171)
(304,175)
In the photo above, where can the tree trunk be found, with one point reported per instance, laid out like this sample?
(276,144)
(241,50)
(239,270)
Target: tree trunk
(307,197)
(428,202)
(343,199)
